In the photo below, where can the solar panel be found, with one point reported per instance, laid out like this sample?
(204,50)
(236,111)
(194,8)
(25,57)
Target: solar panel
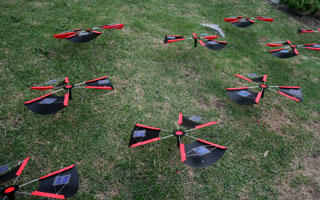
(212,42)
(201,150)
(296,92)
(61,180)
(47,101)
(4,168)
(251,75)
(101,82)
(51,82)
(243,93)
(284,51)
(195,118)
(83,33)
(139,133)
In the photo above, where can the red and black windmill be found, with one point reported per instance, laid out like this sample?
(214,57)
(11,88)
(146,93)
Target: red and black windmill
(302,30)
(85,35)
(61,184)
(201,153)
(242,22)
(289,50)
(52,103)
(246,95)
(209,41)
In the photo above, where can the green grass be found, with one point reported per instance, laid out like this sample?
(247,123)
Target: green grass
(153,83)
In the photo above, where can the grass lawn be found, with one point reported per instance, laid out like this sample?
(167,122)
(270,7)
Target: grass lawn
(153,83)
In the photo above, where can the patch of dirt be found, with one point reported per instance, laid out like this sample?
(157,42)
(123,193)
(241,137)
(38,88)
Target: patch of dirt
(303,181)
(307,20)
(292,187)
(275,120)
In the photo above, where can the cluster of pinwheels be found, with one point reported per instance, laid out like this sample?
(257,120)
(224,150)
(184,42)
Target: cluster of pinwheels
(64,183)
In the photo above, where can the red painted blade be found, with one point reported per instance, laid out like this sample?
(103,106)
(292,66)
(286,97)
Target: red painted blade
(57,172)
(180,118)
(312,48)
(72,35)
(205,125)
(41,88)
(63,35)
(171,41)
(293,87)
(230,19)
(182,153)
(276,50)
(23,165)
(310,44)
(247,79)
(99,87)
(145,142)
(33,100)
(210,37)
(290,97)
(50,195)
(295,51)
(113,26)
(258,97)
(263,18)
(66,80)
(273,45)
(213,144)
(66,100)
(264,79)
(201,42)
(242,88)
(150,127)
(96,79)
(302,30)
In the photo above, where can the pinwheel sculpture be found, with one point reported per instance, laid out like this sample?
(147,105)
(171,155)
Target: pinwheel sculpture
(61,184)
(201,153)
(289,50)
(85,35)
(242,22)
(302,30)
(209,42)
(245,95)
(52,103)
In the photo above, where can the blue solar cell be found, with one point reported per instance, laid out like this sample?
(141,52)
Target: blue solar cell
(295,92)
(139,133)
(105,81)
(47,101)
(51,82)
(243,93)
(83,33)
(201,150)
(212,42)
(195,118)
(252,75)
(61,180)
(4,168)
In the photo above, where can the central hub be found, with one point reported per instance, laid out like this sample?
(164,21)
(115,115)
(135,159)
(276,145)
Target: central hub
(179,133)
(68,86)
(263,86)
(9,190)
